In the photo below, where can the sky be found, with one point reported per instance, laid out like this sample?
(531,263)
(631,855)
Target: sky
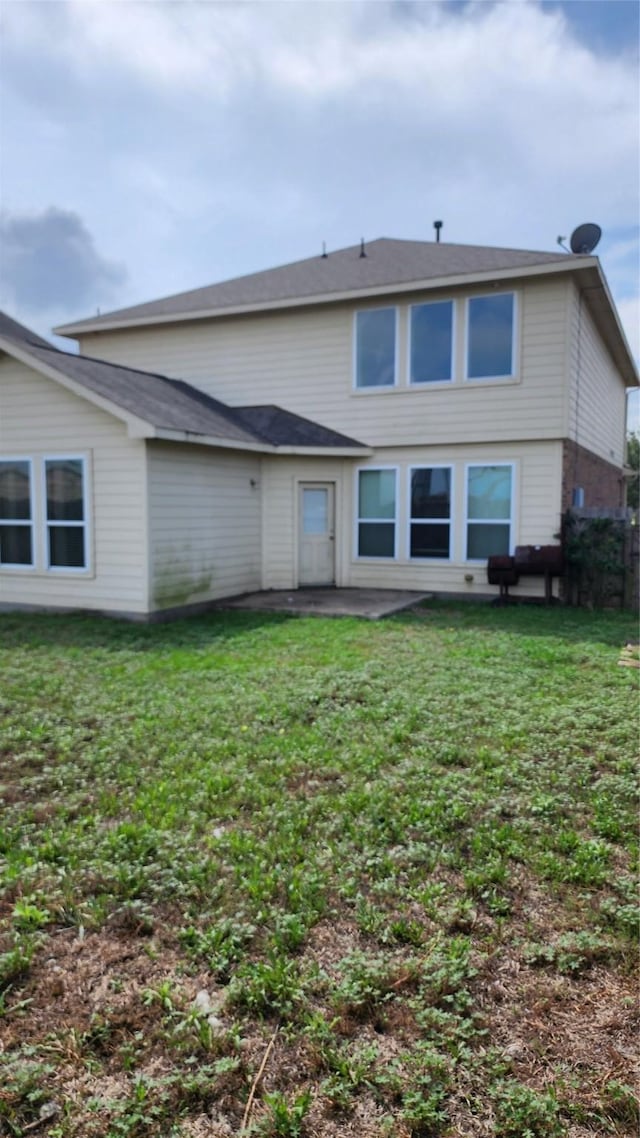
(147,148)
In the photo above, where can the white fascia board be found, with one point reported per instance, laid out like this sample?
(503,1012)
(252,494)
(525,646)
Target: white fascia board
(632,378)
(166,434)
(327,452)
(84,327)
(137,428)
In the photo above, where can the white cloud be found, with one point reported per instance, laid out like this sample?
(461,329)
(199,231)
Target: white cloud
(506,84)
(202,140)
(324,50)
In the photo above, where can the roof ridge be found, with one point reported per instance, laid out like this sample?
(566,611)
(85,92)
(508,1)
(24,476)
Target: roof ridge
(227,280)
(322,256)
(382,263)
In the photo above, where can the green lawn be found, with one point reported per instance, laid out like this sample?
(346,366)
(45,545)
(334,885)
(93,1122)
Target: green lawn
(280,876)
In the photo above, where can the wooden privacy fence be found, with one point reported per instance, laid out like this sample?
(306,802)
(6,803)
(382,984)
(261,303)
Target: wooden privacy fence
(602,555)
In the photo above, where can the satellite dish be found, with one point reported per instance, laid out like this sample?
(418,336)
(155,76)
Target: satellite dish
(585,238)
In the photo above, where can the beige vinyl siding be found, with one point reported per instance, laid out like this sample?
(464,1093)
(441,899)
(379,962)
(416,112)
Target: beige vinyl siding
(205,524)
(303,360)
(597,394)
(537,510)
(281,523)
(39,418)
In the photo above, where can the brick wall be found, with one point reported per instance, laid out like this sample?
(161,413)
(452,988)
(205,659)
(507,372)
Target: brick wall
(602,482)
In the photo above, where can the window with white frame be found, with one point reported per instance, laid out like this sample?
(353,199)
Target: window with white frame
(376,513)
(375,347)
(430,512)
(431,342)
(16,513)
(491,336)
(65,513)
(489,510)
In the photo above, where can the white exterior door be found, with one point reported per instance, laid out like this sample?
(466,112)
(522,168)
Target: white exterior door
(317,532)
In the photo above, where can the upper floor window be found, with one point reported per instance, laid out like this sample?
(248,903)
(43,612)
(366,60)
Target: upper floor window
(489,510)
(430,524)
(431,339)
(66,513)
(491,336)
(16,513)
(377,513)
(376,347)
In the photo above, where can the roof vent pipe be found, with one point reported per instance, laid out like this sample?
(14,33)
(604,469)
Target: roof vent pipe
(362,252)
(437,225)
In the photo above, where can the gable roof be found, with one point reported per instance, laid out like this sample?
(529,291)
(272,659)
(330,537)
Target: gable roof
(387,263)
(285,429)
(18,334)
(170,406)
(389,266)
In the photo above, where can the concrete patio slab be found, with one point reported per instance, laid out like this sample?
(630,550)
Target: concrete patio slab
(371,604)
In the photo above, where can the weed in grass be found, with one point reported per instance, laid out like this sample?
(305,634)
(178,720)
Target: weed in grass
(387,930)
(587,864)
(608,821)
(406,930)
(434,896)
(285,1117)
(154,1105)
(267,987)
(488,882)
(194,1032)
(368,981)
(425,1077)
(137,1113)
(351,1067)
(15,963)
(318,1036)
(163,994)
(624,918)
(446,973)
(450,1031)
(370,918)
(571,953)
(621,1104)
(289,933)
(73,1044)
(28,916)
(131,1051)
(422,1111)
(23,1091)
(523,1113)
(221,945)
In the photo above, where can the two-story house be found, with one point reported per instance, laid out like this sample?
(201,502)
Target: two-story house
(386,416)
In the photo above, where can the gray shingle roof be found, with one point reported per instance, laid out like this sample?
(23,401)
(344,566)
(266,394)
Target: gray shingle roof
(11,330)
(387,262)
(283,428)
(173,405)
